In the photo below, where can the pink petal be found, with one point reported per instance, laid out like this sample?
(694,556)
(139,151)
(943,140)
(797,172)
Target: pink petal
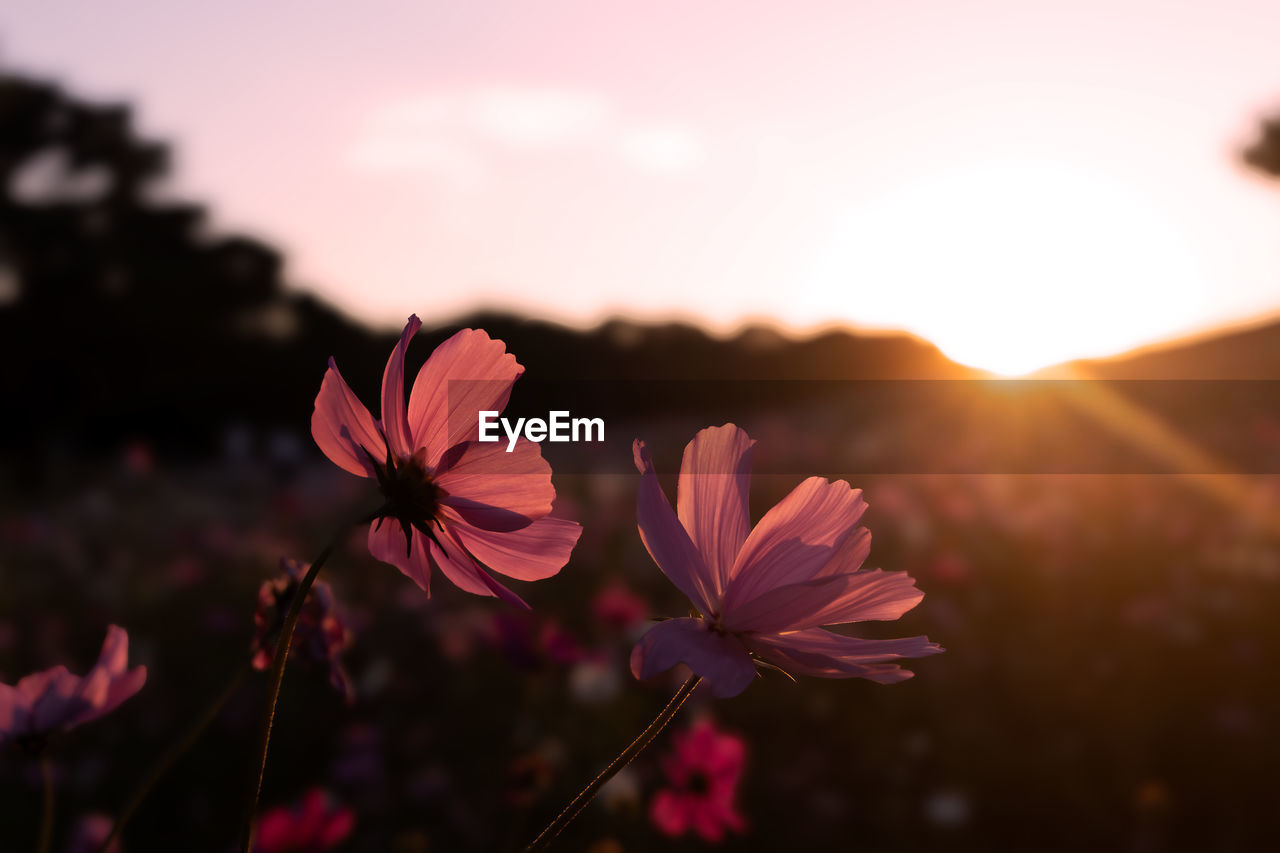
(720,659)
(529,554)
(387,543)
(14,711)
(337,827)
(467,374)
(496,490)
(827,600)
(55,698)
(711,498)
(112,662)
(666,539)
(123,687)
(343,427)
(707,824)
(670,813)
(395,420)
(828,655)
(796,539)
(850,555)
(459,567)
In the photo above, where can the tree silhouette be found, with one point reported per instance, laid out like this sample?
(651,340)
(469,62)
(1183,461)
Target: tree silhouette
(119,313)
(1264,153)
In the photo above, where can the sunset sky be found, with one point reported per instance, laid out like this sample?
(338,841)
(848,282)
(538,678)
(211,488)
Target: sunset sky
(1018,182)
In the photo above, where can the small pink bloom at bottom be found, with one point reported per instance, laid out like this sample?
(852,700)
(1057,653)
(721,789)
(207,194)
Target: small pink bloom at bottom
(703,771)
(313,824)
(89,833)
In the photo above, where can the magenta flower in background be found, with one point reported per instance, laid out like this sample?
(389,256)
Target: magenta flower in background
(313,824)
(703,771)
(617,607)
(55,700)
(452,501)
(765,593)
(320,635)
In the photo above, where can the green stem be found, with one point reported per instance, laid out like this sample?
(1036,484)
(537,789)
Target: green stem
(46,811)
(176,751)
(281,657)
(624,758)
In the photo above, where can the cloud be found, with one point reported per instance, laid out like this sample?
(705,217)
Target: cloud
(661,149)
(460,135)
(536,119)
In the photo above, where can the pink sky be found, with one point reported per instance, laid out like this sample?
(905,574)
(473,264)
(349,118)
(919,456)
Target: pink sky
(1019,182)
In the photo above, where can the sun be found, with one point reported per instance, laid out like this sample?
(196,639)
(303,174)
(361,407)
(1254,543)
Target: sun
(1012,266)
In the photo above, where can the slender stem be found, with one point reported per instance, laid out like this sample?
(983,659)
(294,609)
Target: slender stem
(624,758)
(176,751)
(46,811)
(284,642)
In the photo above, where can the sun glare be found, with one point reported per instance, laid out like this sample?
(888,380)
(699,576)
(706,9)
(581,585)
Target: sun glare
(1013,267)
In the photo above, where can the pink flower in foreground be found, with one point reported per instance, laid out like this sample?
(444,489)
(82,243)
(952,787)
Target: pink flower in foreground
(451,501)
(764,593)
(313,824)
(702,772)
(55,700)
(320,636)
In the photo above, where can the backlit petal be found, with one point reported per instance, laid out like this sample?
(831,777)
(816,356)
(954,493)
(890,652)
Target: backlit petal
(796,539)
(529,554)
(387,543)
(711,498)
(666,539)
(460,568)
(343,427)
(467,374)
(496,490)
(829,655)
(395,420)
(827,600)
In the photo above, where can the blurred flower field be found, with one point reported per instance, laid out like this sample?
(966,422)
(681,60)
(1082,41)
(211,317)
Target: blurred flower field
(1106,683)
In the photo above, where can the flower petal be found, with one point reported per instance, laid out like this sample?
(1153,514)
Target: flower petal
(711,498)
(827,600)
(721,659)
(343,427)
(387,543)
(97,685)
(459,566)
(666,539)
(532,553)
(496,490)
(467,374)
(671,812)
(796,539)
(395,420)
(55,698)
(14,712)
(829,655)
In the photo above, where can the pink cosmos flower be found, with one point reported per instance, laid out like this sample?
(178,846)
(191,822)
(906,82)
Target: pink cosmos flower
(703,771)
(320,636)
(451,501)
(765,593)
(313,824)
(55,700)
